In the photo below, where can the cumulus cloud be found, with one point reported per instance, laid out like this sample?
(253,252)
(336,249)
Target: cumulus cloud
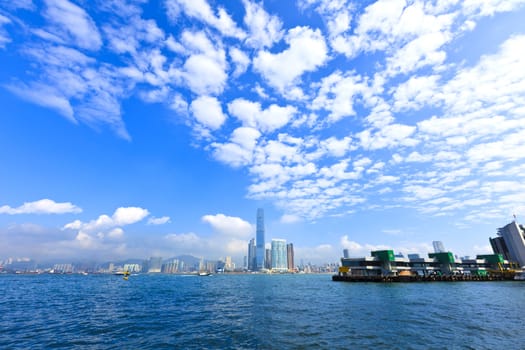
(264,28)
(229,225)
(307,51)
(240,59)
(105,225)
(338,93)
(204,71)
(42,206)
(240,150)
(252,115)
(208,112)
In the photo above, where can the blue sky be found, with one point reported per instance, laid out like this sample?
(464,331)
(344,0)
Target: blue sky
(136,128)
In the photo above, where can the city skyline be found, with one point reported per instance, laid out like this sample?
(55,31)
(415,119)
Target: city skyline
(135,129)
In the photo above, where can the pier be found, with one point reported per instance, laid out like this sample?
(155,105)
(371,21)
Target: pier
(433,278)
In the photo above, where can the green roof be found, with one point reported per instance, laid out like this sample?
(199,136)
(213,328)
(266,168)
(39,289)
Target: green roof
(384,255)
(491,258)
(445,257)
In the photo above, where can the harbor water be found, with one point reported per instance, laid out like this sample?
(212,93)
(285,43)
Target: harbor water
(256,312)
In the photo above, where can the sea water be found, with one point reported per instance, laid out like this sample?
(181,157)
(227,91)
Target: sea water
(256,312)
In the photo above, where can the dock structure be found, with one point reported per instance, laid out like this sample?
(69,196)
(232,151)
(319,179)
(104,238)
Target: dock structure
(384,266)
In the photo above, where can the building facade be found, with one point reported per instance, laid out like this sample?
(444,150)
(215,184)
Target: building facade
(260,253)
(512,244)
(290,257)
(268,259)
(279,261)
(252,262)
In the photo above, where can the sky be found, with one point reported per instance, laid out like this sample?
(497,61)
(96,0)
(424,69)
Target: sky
(138,128)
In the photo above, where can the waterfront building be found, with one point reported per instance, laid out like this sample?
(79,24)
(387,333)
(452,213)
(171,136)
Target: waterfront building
(252,262)
(384,263)
(63,268)
(268,259)
(279,262)
(290,257)
(132,267)
(170,266)
(510,243)
(228,264)
(260,245)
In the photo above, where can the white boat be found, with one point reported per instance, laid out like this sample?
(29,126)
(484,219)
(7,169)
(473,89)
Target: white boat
(519,276)
(204,273)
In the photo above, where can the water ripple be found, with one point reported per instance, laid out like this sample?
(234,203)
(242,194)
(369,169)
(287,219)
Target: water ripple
(255,312)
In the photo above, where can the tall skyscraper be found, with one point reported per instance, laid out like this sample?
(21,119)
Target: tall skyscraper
(154,264)
(268,259)
(260,239)
(290,256)
(513,244)
(279,262)
(346,254)
(252,262)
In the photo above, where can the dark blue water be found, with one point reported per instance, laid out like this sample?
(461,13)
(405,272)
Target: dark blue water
(256,312)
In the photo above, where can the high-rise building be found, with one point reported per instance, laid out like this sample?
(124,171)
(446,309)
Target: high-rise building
(438,247)
(252,262)
(260,239)
(268,259)
(499,247)
(290,257)
(346,254)
(154,264)
(279,262)
(513,243)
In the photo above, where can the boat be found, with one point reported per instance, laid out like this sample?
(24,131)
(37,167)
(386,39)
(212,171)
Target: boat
(519,276)
(204,273)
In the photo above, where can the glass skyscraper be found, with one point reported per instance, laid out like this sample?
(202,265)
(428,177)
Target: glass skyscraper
(279,261)
(259,237)
(251,255)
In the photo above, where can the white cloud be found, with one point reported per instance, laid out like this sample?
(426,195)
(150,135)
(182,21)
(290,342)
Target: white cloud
(129,215)
(205,69)
(252,115)
(265,29)
(122,216)
(415,92)
(201,10)
(45,96)
(43,206)
(239,151)
(73,21)
(240,59)
(307,52)
(290,219)
(338,93)
(4,37)
(230,226)
(208,112)
(389,136)
(159,221)
(490,7)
